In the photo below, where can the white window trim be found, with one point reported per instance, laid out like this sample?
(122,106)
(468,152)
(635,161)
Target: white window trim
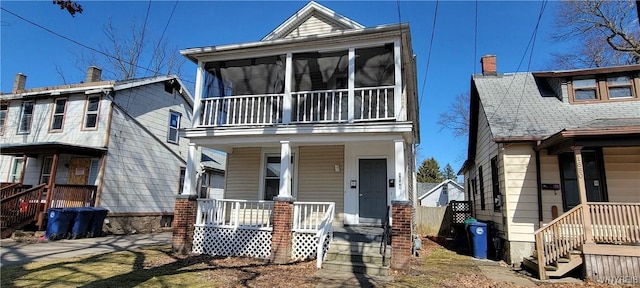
(266,152)
(6,117)
(87,113)
(54,114)
(171,113)
(28,130)
(13,177)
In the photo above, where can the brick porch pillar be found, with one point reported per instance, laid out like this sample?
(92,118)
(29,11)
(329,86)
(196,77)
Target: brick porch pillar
(282,230)
(184,217)
(401,238)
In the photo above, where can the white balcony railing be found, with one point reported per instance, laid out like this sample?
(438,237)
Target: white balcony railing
(326,106)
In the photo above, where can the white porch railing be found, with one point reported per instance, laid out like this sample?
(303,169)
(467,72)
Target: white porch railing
(314,217)
(246,214)
(326,106)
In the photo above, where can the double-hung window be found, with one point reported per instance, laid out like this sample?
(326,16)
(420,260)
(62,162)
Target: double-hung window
(4,110)
(174,125)
(91,112)
(585,89)
(26,117)
(57,118)
(620,87)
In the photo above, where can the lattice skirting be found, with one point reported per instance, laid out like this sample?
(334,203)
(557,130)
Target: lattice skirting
(304,246)
(232,242)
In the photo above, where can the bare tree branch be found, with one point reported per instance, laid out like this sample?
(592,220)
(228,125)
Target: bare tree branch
(456,118)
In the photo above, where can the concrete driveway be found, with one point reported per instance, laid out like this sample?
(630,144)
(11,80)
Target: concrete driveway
(13,253)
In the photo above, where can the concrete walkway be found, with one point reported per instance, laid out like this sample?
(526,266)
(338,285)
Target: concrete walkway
(13,253)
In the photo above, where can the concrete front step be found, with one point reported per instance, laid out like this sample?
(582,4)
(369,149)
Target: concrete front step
(338,245)
(356,258)
(356,267)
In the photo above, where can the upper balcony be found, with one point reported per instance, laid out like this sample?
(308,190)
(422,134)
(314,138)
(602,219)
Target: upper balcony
(337,86)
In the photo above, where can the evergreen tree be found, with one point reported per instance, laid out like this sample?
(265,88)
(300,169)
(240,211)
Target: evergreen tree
(449,173)
(429,171)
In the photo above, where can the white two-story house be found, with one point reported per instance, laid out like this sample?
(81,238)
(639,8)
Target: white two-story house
(322,109)
(112,144)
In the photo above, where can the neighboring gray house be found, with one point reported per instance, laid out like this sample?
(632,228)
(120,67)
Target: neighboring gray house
(115,141)
(439,194)
(213,164)
(554,163)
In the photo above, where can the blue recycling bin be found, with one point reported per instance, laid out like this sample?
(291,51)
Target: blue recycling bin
(58,221)
(81,220)
(95,226)
(478,239)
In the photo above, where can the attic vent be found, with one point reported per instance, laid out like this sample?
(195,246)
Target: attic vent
(168,86)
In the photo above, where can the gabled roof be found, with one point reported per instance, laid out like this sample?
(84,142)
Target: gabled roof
(525,107)
(101,86)
(312,9)
(519,106)
(213,160)
(426,189)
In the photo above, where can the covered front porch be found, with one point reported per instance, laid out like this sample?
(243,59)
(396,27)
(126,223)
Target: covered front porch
(600,190)
(47,175)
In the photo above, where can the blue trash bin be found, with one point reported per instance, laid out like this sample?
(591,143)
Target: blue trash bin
(81,221)
(58,223)
(478,234)
(95,226)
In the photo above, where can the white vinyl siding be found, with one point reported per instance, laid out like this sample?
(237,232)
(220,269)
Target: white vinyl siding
(314,25)
(550,174)
(318,179)
(243,170)
(622,168)
(521,192)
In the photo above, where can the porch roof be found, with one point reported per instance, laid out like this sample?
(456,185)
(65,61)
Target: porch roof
(596,133)
(50,148)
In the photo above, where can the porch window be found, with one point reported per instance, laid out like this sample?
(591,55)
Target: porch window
(252,76)
(320,71)
(16,169)
(272,177)
(174,125)
(45,174)
(57,118)
(91,112)
(26,117)
(4,110)
(374,67)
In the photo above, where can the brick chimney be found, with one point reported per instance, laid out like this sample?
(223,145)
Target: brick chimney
(19,82)
(489,65)
(94,74)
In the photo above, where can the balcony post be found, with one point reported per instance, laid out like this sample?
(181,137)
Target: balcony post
(401,193)
(190,174)
(397,89)
(586,212)
(351,94)
(197,101)
(285,170)
(286,101)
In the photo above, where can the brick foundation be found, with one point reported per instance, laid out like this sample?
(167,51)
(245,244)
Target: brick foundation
(282,230)
(184,217)
(401,238)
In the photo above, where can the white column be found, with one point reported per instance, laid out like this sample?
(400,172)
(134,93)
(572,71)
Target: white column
(286,101)
(191,173)
(397,89)
(197,101)
(285,170)
(401,177)
(351,86)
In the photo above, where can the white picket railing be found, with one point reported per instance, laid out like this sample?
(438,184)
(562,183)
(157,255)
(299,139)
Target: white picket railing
(308,216)
(246,214)
(325,106)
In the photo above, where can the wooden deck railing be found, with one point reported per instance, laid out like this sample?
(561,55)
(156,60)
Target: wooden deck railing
(11,189)
(8,184)
(559,237)
(67,196)
(21,207)
(615,223)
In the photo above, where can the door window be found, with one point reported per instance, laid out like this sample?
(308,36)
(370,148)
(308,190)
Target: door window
(594,184)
